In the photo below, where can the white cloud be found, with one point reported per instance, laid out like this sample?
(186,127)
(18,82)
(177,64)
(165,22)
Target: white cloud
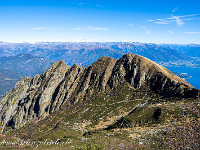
(171,32)
(145,29)
(176,19)
(80,3)
(150,20)
(142,27)
(148,31)
(130,24)
(189,15)
(174,9)
(99,6)
(192,32)
(137,26)
(179,22)
(161,22)
(92,28)
(42,28)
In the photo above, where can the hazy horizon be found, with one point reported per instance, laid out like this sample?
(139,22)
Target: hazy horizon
(23,42)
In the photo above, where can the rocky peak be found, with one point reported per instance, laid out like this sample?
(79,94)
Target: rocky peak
(141,72)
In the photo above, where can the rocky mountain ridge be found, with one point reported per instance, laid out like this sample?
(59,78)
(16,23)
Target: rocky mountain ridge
(35,98)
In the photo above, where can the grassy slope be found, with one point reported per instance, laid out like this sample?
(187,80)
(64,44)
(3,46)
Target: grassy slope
(82,124)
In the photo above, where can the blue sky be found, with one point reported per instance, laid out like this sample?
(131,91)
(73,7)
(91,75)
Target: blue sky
(157,21)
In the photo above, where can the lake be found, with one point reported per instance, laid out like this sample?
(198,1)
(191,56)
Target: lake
(194,72)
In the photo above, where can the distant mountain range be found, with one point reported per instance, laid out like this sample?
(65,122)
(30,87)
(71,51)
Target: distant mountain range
(86,53)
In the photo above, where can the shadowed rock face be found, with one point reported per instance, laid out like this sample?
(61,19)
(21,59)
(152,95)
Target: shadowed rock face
(36,98)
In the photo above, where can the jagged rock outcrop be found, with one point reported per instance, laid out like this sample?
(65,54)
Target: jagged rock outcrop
(35,98)
(141,72)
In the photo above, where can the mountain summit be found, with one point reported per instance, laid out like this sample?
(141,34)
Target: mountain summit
(33,99)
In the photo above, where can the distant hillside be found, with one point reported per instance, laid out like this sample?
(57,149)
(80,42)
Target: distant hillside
(25,64)
(8,79)
(192,50)
(12,68)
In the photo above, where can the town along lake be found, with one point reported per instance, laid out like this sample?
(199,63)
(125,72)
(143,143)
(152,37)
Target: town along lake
(194,80)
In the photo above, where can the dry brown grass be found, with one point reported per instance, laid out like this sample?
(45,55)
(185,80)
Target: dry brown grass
(186,134)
